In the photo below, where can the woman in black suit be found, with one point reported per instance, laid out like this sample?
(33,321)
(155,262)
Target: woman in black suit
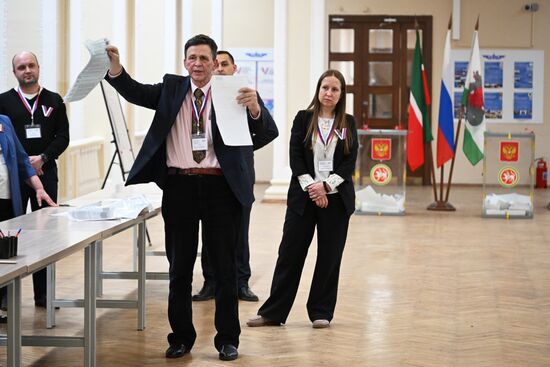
(323,150)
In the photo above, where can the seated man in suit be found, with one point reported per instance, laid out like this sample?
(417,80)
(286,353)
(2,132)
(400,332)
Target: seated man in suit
(203,180)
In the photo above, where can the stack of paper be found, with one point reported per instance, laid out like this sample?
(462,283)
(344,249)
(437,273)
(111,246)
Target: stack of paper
(110,209)
(371,201)
(512,203)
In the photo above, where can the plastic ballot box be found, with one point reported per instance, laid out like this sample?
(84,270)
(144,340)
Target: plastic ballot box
(380,173)
(508,175)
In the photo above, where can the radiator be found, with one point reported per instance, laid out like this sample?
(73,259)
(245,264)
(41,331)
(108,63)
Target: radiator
(81,168)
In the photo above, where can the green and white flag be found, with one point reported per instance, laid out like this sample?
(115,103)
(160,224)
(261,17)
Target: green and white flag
(472,99)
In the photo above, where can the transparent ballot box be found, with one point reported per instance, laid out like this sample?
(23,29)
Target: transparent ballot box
(508,175)
(380,172)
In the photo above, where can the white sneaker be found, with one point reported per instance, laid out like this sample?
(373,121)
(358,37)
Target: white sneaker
(320,324)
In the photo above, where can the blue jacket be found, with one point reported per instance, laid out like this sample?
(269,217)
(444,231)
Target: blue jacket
(17,161)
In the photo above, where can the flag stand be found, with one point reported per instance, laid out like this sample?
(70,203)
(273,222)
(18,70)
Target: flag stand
(440,204)
(444,205)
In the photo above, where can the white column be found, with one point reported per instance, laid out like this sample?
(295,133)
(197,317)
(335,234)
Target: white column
(120,29)
(76,109)
(281,170)
(456,19)
(217,22)
(187,26)
(4,62)
(49,59)
(170,37)
(318,41)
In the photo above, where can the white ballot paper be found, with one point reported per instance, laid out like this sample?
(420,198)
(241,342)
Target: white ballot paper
(230,116)
(109,209)
(93,73)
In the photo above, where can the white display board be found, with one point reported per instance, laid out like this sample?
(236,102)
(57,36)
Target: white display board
(257,65)
(118,125)
(513,84)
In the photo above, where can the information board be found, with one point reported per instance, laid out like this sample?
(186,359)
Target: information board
(513,84)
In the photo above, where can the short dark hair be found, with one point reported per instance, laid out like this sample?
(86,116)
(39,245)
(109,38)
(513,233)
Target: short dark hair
(223,52)
(202,39)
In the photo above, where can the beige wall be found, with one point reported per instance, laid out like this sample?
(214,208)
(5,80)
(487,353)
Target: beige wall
(257,31)
(503,24)
(249,23)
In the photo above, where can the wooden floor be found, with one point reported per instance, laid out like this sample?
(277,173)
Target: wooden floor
(426,289)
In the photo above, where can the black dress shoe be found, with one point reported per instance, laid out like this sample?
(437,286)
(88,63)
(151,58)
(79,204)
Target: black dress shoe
(246,294)
(176,351)
(42,303)
(206,293)
(228,352)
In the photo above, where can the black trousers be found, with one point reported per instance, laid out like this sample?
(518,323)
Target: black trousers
(243,255)
(188,199)
(332,227)
(49,181)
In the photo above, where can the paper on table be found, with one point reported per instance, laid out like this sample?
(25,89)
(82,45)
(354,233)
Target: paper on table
(230,116)
(93,73)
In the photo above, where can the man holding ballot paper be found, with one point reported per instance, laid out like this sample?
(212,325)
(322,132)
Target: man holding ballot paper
(188,153)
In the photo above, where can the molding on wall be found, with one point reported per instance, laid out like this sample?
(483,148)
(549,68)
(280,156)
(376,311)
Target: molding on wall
(76,110)
(318,41)
(49,30)
(281,170)
(170,36)
(3,46)
(217,23)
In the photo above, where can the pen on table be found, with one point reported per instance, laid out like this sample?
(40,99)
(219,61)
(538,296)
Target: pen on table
(8,262)
(18,231)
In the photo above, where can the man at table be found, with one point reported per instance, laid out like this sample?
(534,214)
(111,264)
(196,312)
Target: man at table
(227,66)
(202,178)
(40,121)
(15,168)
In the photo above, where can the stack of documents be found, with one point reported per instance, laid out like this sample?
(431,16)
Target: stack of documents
(511,203)
(371,201)
(110,209)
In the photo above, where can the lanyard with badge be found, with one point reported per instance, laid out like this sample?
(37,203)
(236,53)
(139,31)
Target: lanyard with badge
(198,139)
(325,165)
(32,131)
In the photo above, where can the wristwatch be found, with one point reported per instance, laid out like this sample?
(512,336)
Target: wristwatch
(44,157)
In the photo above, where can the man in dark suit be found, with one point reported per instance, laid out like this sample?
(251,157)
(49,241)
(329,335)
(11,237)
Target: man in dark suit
(227,66)
(202,179)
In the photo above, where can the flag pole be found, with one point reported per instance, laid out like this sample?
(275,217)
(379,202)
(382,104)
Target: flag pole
(454,155)
(440,204)
(431,166)
(460,116)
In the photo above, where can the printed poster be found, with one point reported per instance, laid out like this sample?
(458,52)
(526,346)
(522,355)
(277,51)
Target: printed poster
(523,75)
(461,68)
(494,76)
(523,106)
(493,105)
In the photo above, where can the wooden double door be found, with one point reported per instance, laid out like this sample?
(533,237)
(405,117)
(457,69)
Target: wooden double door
(375,54)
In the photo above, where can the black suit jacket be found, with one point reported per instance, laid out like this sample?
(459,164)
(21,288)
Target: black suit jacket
(166,99)
(301,163)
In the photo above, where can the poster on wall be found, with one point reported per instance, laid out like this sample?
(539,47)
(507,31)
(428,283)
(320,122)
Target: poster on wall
(257,65)
(493,105)
(513,84)
(493,75)
(523,75)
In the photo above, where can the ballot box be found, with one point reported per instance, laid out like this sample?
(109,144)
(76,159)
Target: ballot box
(508,175)
(380,172)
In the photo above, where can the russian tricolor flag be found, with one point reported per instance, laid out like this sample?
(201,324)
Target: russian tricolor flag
(445,135)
